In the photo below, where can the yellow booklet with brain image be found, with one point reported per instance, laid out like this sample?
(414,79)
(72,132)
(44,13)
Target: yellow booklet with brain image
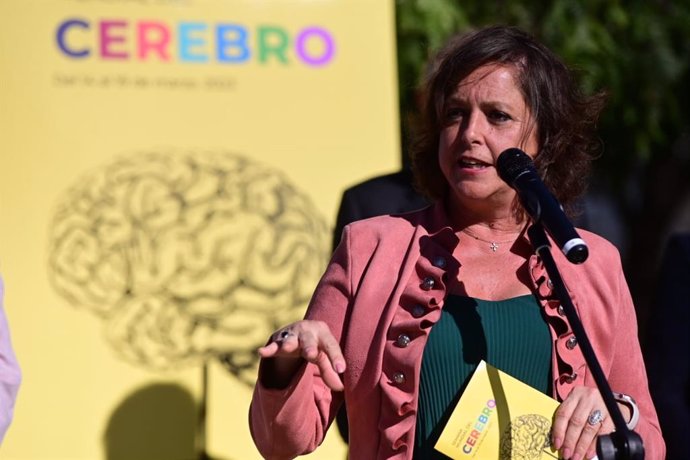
(499,417)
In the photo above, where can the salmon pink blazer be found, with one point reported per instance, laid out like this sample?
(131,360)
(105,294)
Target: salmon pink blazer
(381,294)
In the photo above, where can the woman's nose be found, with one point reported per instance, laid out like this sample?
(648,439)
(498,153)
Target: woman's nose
(473,128)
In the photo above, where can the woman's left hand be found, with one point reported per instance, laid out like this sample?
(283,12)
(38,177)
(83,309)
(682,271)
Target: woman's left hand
(576,424)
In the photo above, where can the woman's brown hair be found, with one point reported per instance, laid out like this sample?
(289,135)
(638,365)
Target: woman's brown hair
(565,117)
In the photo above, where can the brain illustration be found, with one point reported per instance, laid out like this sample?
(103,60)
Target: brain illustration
(187,257)
(526,437)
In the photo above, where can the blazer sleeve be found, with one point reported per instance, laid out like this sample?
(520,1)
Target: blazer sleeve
(293,421)
(628,374)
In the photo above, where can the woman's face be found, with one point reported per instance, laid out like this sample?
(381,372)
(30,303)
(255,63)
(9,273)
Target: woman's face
(485,116)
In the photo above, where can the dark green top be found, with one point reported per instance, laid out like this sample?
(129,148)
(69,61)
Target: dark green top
(511,335)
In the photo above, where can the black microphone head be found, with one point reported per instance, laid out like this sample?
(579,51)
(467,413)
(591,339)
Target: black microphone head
(512,163)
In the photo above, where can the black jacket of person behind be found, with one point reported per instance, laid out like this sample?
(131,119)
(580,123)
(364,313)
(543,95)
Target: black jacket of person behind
(388,194)
(667,351)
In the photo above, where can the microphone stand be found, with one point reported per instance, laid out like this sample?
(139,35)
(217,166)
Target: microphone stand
(622,444)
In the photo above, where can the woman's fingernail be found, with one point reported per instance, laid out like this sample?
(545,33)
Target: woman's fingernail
(557,443)
(340,368)
(567,453)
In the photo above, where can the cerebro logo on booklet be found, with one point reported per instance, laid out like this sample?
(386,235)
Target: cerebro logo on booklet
(478,427)
(499,417)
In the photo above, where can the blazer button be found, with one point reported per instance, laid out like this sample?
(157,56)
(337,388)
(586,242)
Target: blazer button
(399,378)
(418,311)
(403,340)
(571,343)
(561,311)
(549,284)
(428,283)
(439,262)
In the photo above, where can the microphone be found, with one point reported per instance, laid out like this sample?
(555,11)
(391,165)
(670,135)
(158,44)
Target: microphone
(515,167)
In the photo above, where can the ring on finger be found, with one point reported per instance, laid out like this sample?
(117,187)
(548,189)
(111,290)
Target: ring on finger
(283,335)
(595,418)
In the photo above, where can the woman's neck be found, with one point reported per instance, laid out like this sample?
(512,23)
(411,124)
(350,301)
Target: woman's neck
(485,219)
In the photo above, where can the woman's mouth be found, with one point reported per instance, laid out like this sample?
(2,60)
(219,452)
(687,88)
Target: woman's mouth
(471,163)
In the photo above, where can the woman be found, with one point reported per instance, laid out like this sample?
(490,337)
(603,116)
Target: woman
(409,304)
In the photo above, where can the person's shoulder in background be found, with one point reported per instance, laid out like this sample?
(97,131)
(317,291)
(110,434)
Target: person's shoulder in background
(387,194)
(667,346)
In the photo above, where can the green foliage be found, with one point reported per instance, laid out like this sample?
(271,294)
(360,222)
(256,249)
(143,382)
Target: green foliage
(637,51)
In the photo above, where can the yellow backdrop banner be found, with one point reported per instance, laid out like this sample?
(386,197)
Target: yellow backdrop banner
(169,180)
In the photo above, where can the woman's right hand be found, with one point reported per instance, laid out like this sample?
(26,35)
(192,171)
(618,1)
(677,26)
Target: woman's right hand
(304,340)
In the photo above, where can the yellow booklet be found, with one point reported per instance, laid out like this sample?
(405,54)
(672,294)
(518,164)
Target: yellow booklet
(499,417)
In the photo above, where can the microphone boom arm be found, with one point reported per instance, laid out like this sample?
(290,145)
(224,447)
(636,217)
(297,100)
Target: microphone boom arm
(622,444)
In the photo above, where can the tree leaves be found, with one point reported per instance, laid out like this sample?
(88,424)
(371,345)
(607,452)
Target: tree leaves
(638,51)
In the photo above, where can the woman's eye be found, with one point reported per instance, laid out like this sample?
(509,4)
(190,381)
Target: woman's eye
(453,114)
(499,116)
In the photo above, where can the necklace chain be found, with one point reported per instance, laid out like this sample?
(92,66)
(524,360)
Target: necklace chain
(493,245)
